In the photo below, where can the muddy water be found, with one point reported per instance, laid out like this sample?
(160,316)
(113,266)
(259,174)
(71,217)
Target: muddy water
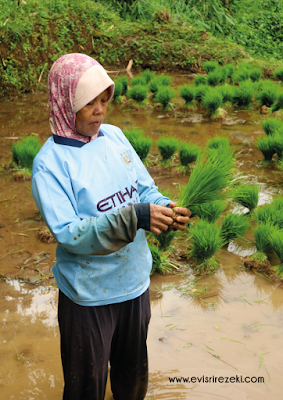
(235,332)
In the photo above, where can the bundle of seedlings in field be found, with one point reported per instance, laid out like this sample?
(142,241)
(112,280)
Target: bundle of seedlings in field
(230,70)
(200,80)
(125,84)
(210,66)
(227,93)
(247,196)
(117,95)
(139,94)
(209,211)
(164,239)
(148,75)
(278,144)
(164,95)
(276,240)
(255,74)
(199,93)
(266,145)
(167,147)
(240,75)
(213,78)
(24,151)
(267,93)
(219,142)
(271,214)
(207,181)
(160,262)
(188,153)
(278,73)
(205,242)
(258,260)
(243,94)
(224,71)
(156,83)
(278,105)
(138,80)
(271,125)
(234,227)
(132,134)
(212,101)
(142,146)
(187,93)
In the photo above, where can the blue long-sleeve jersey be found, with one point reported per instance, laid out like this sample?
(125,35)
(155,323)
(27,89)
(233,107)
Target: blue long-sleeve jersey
(85,194)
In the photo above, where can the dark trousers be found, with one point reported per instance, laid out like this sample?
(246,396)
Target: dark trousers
(92,336)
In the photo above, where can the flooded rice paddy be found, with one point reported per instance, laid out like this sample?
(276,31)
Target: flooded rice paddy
(235,332)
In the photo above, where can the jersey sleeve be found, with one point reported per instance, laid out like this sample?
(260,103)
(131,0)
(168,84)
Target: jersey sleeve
(95,236)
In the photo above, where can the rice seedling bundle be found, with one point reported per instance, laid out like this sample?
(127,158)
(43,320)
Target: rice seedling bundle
(209,211)
(240,75)
(200,80)
(278,144)
(165,239)
(187,93)
(138,81)
(164,95)
(118,91)
(279,103)
(188,153)
(148,75)
(270,214)
(207,181)
(142,146)
(210,66)
(224,71)
(267,147)
(132,134)
(200,92)
(227,92)
(156,83)
(124,82)
(255,74)
(271,125)
(276,241)
(212,100)
(219,142)
(205,242)
(267,93)
(243,94)
(213,78)
(167,147)
(234,226)
(156,257)
(231,69)
(25,150)
(139,94)
(262,234)
(246,196)
(279,74)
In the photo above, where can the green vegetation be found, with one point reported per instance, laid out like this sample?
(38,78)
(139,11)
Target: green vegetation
(25,150)
(262,235)
(167,147)
(138,80)
(233,227)
(188,153)
(164,95)
(200,80)
(200,92)
(214,77)
(139,94)
(212,101)
(278,73)
(276,240)
(271,125)
(267,146)
(267,93)
(187,93)
(118,91)
(243,94)
(246,196)
(279,104)
(227,93)
(148,75)
(209,211)
(165,239)
(142,146)
(210,66)
(219,142)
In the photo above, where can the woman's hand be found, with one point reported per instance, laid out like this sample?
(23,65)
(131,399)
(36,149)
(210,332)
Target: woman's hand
(160,218)
(181,222)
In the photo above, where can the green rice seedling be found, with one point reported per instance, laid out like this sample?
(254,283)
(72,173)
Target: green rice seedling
(165,239)
(164,95)
(167,147)
(139,94)
(213,78)
(243,94)
(255,74)
(118,92)
(271,125)
(200,80)
(209,211)
(188,153)
(267,93)
(278,144)
(212,102)
(200,92)
(262,235)
(160,262)
(157,82)
(247,196)
(205,242)
(234,226)
(227,93)
(142,146)
(148,75)
(240,75)
(125,84)
(279,103)
(270,214)
(25,150)
(210,66)
(218,142)
(278,73)
(231,69)
(276,240)
(132,134)
(187,93)
(267,147)
(138,81)
(207,181)
(224,71)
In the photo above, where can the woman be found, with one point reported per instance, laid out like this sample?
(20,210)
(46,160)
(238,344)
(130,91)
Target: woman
(97,199)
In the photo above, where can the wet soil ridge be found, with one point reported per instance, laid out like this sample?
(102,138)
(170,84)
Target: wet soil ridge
(33,37)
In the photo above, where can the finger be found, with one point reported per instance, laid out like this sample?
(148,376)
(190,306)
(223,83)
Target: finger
(180,227)
(183,220)
(172,204)
(160,226)
(183,211)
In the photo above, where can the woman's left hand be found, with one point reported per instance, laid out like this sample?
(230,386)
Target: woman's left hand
(182,221)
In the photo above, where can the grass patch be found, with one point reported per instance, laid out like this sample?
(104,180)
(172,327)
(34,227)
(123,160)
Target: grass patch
(25,150)
(167,147)
(234,226)
(246,196)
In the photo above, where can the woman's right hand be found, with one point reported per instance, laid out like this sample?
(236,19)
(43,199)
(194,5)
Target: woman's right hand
(160,218)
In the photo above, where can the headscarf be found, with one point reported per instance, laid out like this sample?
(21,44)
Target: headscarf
(73,81)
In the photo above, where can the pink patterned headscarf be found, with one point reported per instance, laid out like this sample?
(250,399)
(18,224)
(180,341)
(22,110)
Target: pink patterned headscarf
(63,80)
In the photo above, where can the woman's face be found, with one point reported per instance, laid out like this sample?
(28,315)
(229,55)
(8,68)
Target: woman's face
(91,116)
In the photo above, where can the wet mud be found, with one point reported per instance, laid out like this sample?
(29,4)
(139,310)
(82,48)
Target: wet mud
(226,324)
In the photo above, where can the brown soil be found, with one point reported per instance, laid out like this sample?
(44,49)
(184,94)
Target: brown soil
(20,177)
